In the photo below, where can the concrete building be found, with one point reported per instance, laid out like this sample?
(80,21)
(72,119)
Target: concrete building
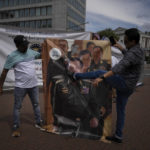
(144,38)
(52,15)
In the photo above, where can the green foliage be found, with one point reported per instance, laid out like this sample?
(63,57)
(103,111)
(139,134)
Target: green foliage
(107,33)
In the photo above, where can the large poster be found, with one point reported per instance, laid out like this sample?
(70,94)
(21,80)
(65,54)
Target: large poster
(75,107)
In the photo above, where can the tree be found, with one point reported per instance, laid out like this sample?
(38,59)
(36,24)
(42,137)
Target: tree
(107,33)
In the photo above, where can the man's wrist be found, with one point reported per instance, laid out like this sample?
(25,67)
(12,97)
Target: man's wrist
(102,77)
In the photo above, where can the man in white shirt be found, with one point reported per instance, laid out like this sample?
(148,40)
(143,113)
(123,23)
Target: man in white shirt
(22,61)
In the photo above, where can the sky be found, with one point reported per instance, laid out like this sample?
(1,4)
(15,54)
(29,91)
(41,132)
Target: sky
(102,14)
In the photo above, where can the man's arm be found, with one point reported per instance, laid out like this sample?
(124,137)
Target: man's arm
(2,79)
(120,47)
(105,76)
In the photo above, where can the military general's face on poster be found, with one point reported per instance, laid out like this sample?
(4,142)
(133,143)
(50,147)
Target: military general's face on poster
(78,108)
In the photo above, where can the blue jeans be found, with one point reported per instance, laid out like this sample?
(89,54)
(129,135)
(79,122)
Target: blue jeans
(123,94)
(19,94)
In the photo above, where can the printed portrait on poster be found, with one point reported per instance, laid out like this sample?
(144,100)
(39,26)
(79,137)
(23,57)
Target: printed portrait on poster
(75,107)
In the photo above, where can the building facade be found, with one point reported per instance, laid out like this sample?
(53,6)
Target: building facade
(54,15)
(144,40)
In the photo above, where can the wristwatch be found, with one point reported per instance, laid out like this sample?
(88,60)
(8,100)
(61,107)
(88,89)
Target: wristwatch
(102,77)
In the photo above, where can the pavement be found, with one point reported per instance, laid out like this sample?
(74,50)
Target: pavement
(136,131)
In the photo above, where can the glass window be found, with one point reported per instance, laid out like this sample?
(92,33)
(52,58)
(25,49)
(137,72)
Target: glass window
(49,23)
(12,14)
(5,3)
(21,13)
(11,3)
(27,24)
(27,12)
(32,12)
(38,24)
(21,2)
(32,24)
(37,1)
(43,11)
(27,2)
(16,24)
(49,10)
(22,24)
(5,14)
(16,13)
(32,1)
(38,11)
(16,2)
(2,15)
(1,3)
(43,24)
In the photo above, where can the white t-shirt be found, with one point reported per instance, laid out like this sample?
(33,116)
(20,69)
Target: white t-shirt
(25,75)
(24,68)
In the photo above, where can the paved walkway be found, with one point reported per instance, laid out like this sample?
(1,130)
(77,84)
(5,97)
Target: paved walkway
(136,133)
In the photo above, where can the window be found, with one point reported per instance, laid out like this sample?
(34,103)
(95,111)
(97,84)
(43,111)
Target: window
(21,2)
(38,24)
(32,24)
(16,24)
(27,2)
(27,24)
(38,11)
(11,3)
(22,24)
(49,23)
(27,12)
(32,1)
(1,3)
(43,11)
(77,5)
(37,1)
(5,15)
(73,26)
(49,10)
(5,3)
(16,2)
(12,14)
(43,24)
(21,13)
(16,13)
(2,15)
(32,12)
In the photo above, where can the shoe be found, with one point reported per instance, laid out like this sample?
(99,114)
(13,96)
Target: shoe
(114,139)
(40,126)
(16,131)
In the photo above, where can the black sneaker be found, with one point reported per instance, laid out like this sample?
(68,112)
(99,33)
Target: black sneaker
(16,131)
(40,126)
(114,139)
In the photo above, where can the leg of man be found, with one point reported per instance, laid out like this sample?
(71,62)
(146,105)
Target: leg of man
(34,97)
(122,98)
(123,94)
(19,94)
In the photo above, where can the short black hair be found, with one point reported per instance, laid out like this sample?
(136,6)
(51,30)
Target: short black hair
(20,39)
(133,34)
(84,52)
(89,43)
(101,49)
